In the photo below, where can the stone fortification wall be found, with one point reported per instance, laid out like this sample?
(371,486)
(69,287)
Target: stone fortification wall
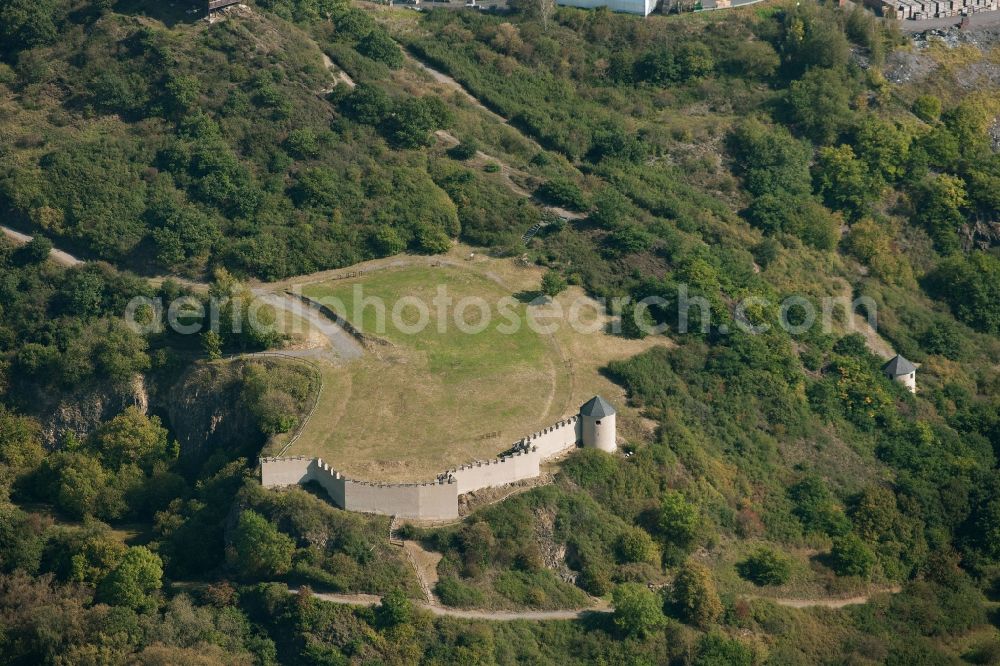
(498,472)
(557,438)
(433,500)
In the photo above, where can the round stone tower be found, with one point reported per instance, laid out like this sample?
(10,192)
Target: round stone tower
(597,421)
(900,370)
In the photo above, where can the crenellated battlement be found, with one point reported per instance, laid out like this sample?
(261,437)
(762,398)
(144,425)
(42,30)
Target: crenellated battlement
(432,499)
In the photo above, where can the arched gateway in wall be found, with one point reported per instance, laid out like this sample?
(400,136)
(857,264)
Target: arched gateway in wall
(593,427)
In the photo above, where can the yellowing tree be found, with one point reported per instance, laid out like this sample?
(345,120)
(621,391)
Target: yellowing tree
(695,595)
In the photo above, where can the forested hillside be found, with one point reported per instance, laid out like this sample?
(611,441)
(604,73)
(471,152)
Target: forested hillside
(759,152)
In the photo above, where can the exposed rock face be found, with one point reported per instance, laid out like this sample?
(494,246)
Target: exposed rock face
(205,410)
(83,409)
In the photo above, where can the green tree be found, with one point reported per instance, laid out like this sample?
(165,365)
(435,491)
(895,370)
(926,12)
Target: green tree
(553,283)
(820,104)
(716,650)
(302,142)
(695,595)
(25,24)
(799,216)
(968,122)
(875,513)
(884,146)
(765,567)
(927,108)
(182,92)
(636,322)
(258,549)
(367,104)
(387,241)
(844,182)
(466,150)
(679,520)
(850,556)
(811,39)
(101,553)
(939,201)
(873,244)
(635,545)
(211,343)
(816,507)
(132,438)
(971,287)
(21,542)
(611,208)
(395,609)
(638,612)
(563,192)
(378,45)
(79,486)
(36,251)
(770,160)
(695,60)
(432,239)
(133,582)
(20,441)
(411,122)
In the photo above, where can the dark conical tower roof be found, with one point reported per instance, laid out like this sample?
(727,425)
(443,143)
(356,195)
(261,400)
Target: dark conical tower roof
(898,366)
(597,407)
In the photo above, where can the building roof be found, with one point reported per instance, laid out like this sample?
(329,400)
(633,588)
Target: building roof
(597,407)
(899,366)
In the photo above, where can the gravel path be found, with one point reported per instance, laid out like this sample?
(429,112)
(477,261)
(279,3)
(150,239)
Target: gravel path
(60,257)
(599,607)
(443,611)
(344,345)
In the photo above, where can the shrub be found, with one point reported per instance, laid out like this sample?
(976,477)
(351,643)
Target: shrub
(563,193)
(137,576)
(465,150)
(453,592)
(765,567)
(637,610)
(971,287)
(850,556)
(679,520)
(258,548)
(635,545)
(553,283)
(432,240)
(715,650)
(695,595)
(378,45)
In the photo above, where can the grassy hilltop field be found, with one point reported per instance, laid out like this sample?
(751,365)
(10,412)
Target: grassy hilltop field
(775,498)
(446,396)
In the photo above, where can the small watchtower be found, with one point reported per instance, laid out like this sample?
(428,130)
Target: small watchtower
(597,421)
(901,370)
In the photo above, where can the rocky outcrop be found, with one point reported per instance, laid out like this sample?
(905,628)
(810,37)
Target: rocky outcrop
(205,410)
(81,410)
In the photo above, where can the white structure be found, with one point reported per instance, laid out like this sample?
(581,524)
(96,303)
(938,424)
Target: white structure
(900,370)
(598,429)
(919,10)
(640,7)
(593,427)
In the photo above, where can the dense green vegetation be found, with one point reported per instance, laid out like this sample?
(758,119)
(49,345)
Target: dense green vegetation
(758,152)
